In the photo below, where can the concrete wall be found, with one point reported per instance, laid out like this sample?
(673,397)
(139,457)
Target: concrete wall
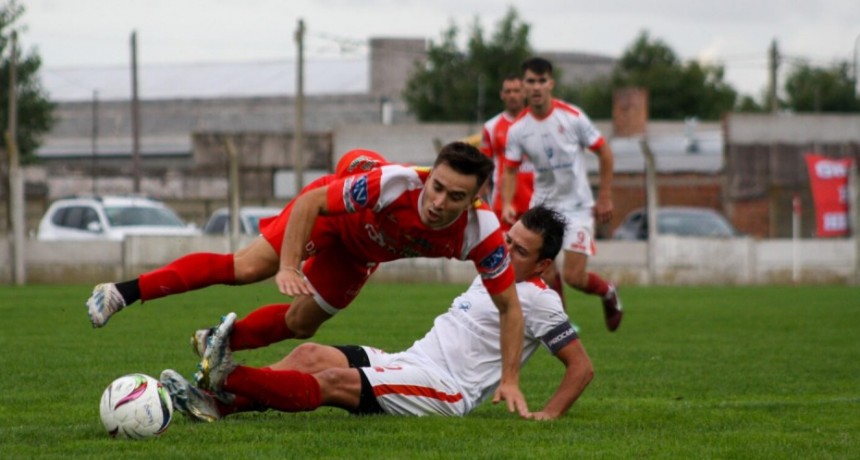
(680,261)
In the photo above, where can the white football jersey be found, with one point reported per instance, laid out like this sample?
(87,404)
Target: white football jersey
(556,145)
(464,341)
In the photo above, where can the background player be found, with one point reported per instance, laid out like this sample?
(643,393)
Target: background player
(493,139)
(493,142)
(554,135)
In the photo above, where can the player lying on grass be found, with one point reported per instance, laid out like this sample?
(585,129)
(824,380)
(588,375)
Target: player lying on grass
(450,371)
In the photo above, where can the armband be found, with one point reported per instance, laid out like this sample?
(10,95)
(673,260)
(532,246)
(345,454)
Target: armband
(559,336)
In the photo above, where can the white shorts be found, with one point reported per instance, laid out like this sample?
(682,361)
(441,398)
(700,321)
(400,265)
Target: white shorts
(407,384)
(579,233)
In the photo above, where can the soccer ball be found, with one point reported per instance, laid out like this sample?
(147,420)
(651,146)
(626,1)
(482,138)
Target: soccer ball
(135,406)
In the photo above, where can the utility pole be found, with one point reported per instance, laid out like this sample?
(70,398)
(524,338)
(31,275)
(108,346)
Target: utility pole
(95,137)
(652,208)
(298,157)
(773,67)
(856,79)
(135,116)
(16,182)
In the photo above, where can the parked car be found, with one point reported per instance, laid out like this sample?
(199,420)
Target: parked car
(110,218)
(249,220)
(676,220)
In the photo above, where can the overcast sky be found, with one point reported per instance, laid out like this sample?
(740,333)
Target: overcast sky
(83,33)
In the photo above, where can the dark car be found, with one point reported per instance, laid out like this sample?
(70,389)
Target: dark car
(676,220)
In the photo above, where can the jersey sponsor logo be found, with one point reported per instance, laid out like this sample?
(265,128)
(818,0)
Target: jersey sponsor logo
(409,247)
(358,191)
(464,305)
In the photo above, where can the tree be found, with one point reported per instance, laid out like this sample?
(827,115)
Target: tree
(35,110)
(457,85)
(676,90)
(812,89)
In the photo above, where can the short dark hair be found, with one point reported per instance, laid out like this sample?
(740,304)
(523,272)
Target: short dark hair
(466,159)
(549,224)
(511,76)
(537,65)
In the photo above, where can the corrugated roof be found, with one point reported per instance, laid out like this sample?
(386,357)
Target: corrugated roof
(208,80)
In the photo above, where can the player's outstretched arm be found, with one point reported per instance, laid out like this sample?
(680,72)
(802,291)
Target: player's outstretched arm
(511,322)
(577,375)
(307,207)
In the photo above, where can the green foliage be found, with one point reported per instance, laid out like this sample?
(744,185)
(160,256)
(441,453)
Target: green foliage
(35,110)
(456,85)
(749,105)
(676,90)
(594,97)
(694,372)
(815,89)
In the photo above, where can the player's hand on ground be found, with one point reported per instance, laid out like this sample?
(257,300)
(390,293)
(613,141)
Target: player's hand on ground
(292,283)
(540,416)
(513,397)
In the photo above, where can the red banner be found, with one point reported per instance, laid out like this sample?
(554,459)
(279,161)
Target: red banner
(828,179)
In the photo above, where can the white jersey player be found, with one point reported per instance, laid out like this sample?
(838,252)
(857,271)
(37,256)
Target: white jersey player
(556,137)
(457,364)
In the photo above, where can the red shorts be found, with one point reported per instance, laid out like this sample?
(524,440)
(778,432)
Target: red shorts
(333,272)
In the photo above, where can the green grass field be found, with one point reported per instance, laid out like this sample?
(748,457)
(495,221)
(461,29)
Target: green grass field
(694,372)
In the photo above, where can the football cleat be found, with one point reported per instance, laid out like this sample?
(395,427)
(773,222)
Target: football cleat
(193,402)
(200,339)
(103,303)
(612,311)
(217,360)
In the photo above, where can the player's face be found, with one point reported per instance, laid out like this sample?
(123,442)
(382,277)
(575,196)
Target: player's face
(538,88)
(512,95)
(447,194)
(524,246)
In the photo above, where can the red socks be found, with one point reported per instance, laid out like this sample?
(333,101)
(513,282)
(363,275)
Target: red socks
(187,273)
(262,327)
(287,391)
(557,285)
(596,285)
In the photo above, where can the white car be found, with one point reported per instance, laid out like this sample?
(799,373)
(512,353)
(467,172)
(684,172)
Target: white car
(249,220)
(110,218)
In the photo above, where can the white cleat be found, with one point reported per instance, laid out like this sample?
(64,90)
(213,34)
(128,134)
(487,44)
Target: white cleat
(103,303)
(200,340)
(217,362)
(191,401)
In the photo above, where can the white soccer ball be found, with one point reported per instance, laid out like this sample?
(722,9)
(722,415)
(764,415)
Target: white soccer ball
(135,406)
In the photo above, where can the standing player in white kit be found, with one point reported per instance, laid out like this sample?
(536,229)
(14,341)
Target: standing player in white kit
(554,135)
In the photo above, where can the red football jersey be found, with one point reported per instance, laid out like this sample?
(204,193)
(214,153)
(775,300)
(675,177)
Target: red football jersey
(378,220)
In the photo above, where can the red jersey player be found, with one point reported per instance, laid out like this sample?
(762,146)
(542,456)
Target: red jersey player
(493,139)
(343,227)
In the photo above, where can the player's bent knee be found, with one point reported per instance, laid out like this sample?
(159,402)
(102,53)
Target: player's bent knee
(306,354)
(251,272)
